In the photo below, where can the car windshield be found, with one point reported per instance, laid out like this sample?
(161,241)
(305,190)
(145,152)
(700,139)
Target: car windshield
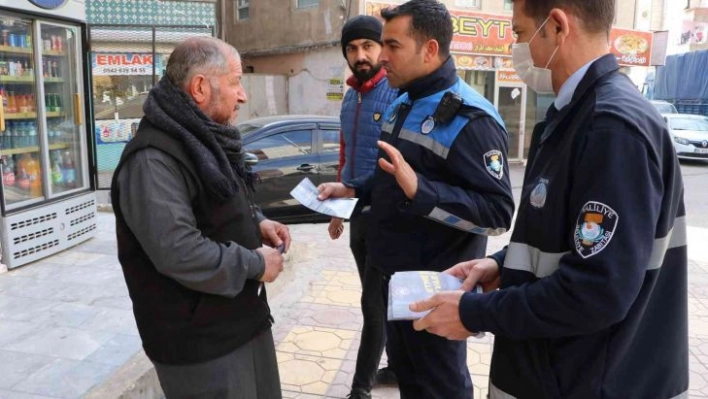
(700,124)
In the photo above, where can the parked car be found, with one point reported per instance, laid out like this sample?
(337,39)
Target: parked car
(690,135)
(664,107)
(283,150)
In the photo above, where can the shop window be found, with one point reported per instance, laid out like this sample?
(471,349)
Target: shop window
(241,9)
(307,3)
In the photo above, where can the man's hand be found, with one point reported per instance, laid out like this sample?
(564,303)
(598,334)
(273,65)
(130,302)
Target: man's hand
(335,228)
(483,271)
(273,264)
(275,234)
(444,319)
(334,190)
(405,176)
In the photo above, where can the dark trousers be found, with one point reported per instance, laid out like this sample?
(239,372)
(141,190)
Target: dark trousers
(427,366)
(373,336)
(249,372)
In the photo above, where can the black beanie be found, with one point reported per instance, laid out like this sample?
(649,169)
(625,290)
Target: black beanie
(361,27)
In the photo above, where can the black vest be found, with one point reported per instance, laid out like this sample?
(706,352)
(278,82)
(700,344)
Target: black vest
(178,325)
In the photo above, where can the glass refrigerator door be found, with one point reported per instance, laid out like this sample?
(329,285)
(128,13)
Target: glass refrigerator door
(64,125)
(20,155)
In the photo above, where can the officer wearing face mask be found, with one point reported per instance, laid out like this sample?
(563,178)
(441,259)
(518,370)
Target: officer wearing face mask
(589,300)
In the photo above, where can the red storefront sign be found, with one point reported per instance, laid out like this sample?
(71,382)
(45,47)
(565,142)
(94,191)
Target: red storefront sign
(476,36)
(631,47)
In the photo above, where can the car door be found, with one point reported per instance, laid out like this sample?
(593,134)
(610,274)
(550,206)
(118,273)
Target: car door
(285,157)
(328,136)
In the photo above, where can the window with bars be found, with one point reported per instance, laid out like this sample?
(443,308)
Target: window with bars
(307,3)
(241,10)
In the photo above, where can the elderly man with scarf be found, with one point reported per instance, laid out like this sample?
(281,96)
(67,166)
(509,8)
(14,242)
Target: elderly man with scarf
(190,238)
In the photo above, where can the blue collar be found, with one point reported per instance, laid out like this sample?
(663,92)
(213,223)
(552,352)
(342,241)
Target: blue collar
(565,95)
(442,78)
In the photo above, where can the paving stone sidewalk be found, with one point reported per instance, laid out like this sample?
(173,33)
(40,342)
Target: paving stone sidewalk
(67,330)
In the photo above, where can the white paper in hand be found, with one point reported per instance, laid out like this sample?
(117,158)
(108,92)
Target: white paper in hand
(405,288)
(306,193)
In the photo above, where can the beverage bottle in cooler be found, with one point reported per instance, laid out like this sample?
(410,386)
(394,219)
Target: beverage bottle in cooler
(8,171)
(6,140)
(50,133)
(57,173)
(46,42)
(35,180)
(69,168)
(9,136)
(32,133)
(22,138)
(11,104)
(22,103)
(22,177)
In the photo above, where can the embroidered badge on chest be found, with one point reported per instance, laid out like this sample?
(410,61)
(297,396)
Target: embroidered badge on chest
(594,228)
(494,162)
(428,125)
(539,193)
(377,116)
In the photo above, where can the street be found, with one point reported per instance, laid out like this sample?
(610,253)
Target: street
(695,179)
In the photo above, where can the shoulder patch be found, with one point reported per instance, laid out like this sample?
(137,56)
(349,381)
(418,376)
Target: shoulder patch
(594,228)
(494,162)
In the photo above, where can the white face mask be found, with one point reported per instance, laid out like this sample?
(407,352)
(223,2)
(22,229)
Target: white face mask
(538,79)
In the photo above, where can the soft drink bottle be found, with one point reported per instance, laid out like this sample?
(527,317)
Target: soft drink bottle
(23,180)
(8,171)
(57,174)
(69,170)
(35,180)
(11,104)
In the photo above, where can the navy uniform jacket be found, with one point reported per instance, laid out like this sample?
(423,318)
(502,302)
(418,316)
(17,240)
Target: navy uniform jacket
(593,298)
(463,193)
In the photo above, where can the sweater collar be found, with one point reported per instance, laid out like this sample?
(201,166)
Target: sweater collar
(442,78)
(367,86)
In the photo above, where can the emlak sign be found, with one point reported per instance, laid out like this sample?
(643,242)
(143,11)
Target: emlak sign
(104,64)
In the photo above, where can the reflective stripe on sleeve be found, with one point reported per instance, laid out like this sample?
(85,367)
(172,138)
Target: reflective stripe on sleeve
(449,219)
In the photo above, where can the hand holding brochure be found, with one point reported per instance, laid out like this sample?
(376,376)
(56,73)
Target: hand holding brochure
(408,287)
(306,193)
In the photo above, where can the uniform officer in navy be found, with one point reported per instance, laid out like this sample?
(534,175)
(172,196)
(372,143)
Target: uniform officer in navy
(441,186)
(593,291)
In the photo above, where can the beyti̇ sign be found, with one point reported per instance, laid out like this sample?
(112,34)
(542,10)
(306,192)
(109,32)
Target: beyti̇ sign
(473,33)
(123,64)
(481,34)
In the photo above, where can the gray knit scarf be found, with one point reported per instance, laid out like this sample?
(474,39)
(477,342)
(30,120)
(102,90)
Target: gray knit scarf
(215,149)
